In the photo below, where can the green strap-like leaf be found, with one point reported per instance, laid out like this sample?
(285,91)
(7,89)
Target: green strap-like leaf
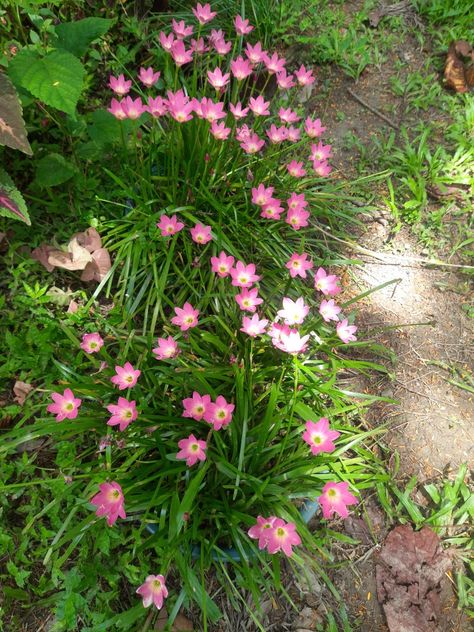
(56,79)
(12,126)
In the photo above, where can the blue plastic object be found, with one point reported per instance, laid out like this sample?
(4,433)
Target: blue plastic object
(307,511)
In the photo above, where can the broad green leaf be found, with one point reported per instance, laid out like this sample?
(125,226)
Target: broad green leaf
(56,79)
(52,170)
(12,203)
(75,37)
(12,126)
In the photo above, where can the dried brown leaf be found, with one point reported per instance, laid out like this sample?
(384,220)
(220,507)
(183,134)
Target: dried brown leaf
(98,267)
(41,254)
(89,239)
(455,70)
(21,390)
(76,258)
(413,565)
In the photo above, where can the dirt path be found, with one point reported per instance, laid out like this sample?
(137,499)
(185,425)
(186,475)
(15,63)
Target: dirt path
(431,426)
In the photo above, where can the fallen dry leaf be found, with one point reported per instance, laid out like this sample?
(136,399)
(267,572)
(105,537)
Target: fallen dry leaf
(180,624)
(89,239)
(455,69)
(84,252)
(73,307)
(413,565)
(21,390)
(41,254)
(76,257)
(438,193)
(98,267)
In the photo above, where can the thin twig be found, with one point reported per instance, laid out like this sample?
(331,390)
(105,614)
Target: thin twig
(372,109)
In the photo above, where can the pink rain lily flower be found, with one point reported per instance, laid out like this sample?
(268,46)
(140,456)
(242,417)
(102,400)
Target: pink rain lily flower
(201,234)
(288,340)
(181,29)
(196,406)
(219,413)
(313,128)
(222,264)
(169,225)
(293,312)
(220,131)
(166,41)
(272,209)
(296,202)
(345,331)
(261,530)
(109,502)
(288,115)
(179,53)
(157,106)
(335,499)
(304,77)
(285,81)
(148,76)
(217,79)
(297,218)
(116,109)
(203,13)
(319,436)
(294,134)
(238,111)
(259,106)
(133,108)
(241,68)
(252,144)
(282,536)
(320,151)
(192,450)
(274,64)
(326,283)
(167,348)
(91,343)
(296,169)
(242,27)
(65,406)
(125,376)
(298,265)
(244,275)
(329,310)
(153,590)
(120,85)
(277,134)
(186,317)
(254,326)
(261,195)
(179,106)
(198,46)
(248,299)
(208,109)
(216,34)
(255,54)
(123,413)
(243,133)
(221,46)
(322,168)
